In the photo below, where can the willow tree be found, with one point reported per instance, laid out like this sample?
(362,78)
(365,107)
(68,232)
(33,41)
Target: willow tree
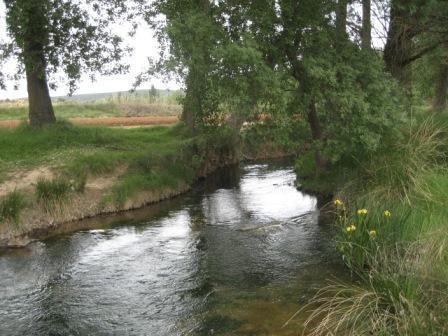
(339,89)
(51,38)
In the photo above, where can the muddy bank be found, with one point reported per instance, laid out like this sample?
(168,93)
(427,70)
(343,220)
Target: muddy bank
(37,222)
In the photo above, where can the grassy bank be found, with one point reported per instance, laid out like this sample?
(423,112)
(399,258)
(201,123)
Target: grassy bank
(392,233)
(47,168)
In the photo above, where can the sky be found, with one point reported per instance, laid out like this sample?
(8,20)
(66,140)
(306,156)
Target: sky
(145,45)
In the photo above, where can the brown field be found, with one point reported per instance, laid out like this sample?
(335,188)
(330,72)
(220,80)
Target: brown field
(109,121)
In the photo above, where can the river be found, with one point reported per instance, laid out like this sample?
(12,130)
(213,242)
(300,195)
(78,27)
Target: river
(238,255)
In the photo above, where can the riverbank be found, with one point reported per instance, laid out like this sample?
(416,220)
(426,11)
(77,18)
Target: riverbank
(393,237)
(66,173)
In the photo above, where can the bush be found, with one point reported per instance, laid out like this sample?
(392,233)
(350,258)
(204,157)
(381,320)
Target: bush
(305,166)
(11,207)
(357,103)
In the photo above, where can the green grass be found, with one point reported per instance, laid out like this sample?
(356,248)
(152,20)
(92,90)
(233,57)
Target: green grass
(11,206)
(400,272)
(93,149)
(145,159)
(76,152)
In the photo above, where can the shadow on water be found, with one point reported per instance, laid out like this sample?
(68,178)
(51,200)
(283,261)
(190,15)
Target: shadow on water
(239,255)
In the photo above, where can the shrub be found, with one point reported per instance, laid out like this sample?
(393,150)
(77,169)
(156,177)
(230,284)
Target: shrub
(11,207)
(305,166)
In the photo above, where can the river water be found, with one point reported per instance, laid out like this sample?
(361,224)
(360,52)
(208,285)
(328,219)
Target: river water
(239,255)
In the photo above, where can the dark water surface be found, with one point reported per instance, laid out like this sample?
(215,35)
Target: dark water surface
(237,256)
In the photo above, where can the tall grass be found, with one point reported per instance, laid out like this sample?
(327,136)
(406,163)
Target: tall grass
(401,293)
(393,236)
(400,171)
(11,206)
(52,193)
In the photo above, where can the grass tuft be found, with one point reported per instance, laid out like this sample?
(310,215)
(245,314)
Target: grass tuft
(11,206)
(51,193)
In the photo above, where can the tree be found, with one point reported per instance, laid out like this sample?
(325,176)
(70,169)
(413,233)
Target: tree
(341,21)
(54,36)
(398,47)
(153,94)
(366,29)
(189,33)
(416,28)
(230,52)
(343,94)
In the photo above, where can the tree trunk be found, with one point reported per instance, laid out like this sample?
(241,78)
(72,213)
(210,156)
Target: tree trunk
(316,133)
(440,99)
(306,93)
(398,47)
(341,23)
(35,38)
(366,31)
(191,104)
(40,107)
(196,87)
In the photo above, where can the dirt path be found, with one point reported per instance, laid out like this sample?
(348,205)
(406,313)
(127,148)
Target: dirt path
(110,121)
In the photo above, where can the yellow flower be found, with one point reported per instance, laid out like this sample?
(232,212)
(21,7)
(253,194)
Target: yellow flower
(338,202)
(387,213)
(348,229)
(353,227)
(362,212)
(372,233)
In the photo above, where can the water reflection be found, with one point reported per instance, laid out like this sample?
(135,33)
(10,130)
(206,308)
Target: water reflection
(237,256)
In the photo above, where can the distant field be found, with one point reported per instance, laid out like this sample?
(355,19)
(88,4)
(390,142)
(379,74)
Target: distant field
(121,104)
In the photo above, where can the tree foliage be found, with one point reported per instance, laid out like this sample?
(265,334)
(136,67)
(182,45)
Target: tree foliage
(291,57)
